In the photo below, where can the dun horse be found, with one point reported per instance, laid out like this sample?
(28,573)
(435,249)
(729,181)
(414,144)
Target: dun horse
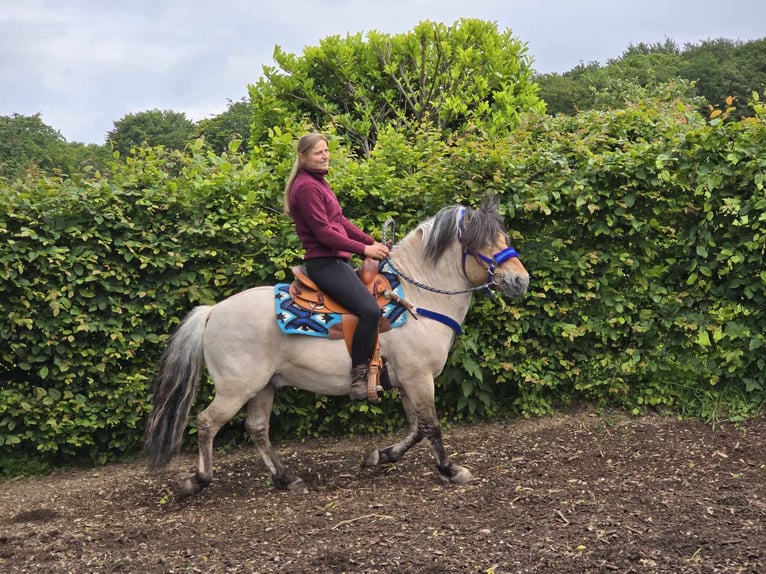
(440,263)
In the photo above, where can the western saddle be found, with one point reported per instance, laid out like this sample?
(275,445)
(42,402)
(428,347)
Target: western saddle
(307,295)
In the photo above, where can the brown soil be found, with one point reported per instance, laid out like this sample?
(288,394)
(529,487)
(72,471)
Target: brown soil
(574,493)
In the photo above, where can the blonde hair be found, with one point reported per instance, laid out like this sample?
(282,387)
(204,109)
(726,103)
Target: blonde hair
(305,145)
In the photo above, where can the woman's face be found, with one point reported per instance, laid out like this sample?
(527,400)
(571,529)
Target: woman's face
(318,157)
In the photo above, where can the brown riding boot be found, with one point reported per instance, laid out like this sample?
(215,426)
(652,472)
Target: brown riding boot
(359,383)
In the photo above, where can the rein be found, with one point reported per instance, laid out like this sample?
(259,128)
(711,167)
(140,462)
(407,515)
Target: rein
(491,263)
(488,263)
(417,283)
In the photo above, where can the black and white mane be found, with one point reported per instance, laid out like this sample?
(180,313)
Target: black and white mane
(480,227)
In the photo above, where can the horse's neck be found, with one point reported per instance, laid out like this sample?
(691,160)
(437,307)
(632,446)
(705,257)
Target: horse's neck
(446,275)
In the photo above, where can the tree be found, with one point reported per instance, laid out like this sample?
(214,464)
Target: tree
(27,143)
(718,69)
(704,65)
(89,156)
(566,93)
(584,87)
(750,60)
(153,128)
(233,124)
(722,68)
(647,64)
(434,77)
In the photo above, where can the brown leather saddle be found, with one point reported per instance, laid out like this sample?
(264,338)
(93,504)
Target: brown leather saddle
(307,295)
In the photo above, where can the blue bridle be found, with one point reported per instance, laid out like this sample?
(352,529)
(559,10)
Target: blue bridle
(491,262)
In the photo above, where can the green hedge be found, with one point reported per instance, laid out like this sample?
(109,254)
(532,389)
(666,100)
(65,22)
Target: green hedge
(96,272)
(643,232)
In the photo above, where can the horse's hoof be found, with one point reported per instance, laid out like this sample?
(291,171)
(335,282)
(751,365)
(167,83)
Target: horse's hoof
(372,459)
(461,475)
(188,487)
(290,482)
(298,486)
(455,474)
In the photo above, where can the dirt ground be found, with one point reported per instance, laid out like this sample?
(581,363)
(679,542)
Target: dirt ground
(573,493)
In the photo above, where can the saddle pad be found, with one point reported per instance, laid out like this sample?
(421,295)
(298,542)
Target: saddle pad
(294,320)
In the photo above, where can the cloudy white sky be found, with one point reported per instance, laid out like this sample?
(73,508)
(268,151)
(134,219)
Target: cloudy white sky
(84,64)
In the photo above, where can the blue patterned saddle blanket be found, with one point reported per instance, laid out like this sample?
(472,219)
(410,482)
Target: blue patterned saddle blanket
(294,320)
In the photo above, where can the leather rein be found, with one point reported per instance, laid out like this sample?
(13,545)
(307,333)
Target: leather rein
(489,264)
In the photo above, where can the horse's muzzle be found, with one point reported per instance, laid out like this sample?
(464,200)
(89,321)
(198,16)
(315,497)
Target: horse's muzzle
(514,284)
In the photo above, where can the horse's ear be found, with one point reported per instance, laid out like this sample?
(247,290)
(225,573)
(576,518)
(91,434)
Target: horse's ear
(490,203)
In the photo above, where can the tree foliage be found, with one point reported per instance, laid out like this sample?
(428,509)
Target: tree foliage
(166,128)
(229,126)
(27,143)
(439,76)
(30,146)
(718,69)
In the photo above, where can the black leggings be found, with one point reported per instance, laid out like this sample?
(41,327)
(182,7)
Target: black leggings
(338,279)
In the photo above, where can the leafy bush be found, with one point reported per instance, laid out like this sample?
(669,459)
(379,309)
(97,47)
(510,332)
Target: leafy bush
(643,229)
(644,233)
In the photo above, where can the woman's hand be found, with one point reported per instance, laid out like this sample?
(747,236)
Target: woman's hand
(377,251)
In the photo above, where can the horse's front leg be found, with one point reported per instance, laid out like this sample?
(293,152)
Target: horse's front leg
(257,425)
(396,451)
(448,470)
(419,407)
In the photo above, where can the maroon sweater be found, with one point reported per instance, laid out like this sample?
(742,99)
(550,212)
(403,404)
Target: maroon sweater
(319,220)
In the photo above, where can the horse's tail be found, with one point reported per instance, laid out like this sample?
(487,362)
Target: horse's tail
(175,389)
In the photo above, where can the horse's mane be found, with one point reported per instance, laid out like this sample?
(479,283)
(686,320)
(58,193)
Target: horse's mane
(480,227)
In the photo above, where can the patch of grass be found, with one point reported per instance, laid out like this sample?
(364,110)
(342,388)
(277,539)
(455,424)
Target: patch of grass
(15,466)
(718,404)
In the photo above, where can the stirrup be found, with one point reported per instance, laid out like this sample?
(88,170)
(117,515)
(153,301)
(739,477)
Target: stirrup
(364,384)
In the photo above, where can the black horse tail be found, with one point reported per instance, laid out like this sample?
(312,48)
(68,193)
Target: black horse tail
(175,389)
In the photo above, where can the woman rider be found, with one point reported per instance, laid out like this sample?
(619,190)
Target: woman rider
(328,240)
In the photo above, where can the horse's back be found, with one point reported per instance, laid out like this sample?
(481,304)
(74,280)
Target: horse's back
(241,330)
(248,311)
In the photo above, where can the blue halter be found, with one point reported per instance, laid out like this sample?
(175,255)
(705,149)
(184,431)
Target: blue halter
(491,262)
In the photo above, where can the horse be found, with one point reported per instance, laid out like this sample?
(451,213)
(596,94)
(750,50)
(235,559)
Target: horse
(441,262)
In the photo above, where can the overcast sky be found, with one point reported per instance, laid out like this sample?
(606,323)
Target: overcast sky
(84,64)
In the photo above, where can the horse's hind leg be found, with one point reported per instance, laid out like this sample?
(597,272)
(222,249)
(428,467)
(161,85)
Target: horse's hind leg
(257,424)
(209,422)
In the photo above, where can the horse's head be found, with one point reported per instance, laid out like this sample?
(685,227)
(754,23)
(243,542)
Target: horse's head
(488,258)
